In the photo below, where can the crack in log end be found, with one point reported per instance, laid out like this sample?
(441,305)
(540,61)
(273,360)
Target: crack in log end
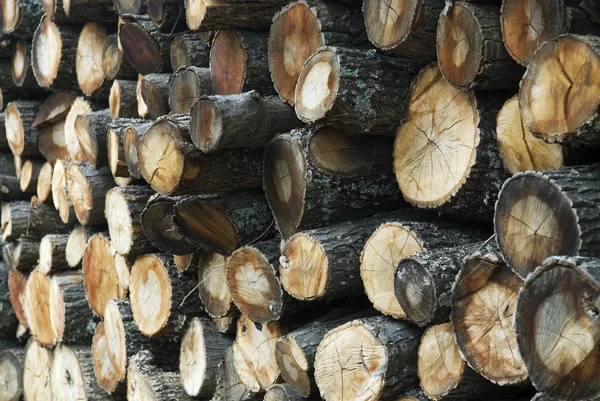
(389,22)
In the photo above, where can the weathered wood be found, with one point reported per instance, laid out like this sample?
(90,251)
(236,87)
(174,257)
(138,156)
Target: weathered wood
(167,15)
(53,257)
(117,132)
(91,131)
(36,306)
(51,140)
(21,135)
(36,371)
(55,108)
(20,63)
(189,50)
(209,16)
(87,191)
(17,282)
(43,218)
(130,148)
(229,385)
(80,106)
(19,17)
(8,318)
(107,376)
(114,64)
(148,381)
(126,7)
(30,172)
(155,94)
(282,392)
(88,61)
(187,86)
(15,216)
(76,245)
(213,287)
(11,375)
(123,100)
(144,46)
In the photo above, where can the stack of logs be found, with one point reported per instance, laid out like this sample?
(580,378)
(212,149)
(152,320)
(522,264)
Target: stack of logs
(186,183)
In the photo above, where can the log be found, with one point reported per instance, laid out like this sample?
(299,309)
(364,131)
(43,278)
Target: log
(16,288)
(29,175)
(545,213)
(304,165)
(60,199)
(184,262)
(15,216)
(91,132)
(36,307)
(155,94)
(44,183)
(21,135)
(226,324)
(104,370)
(377,355)
(11,377)
(87,191)
(329,89)
(51,141)
(25,254)
(407,29)
(53,253)
(130,148)
(117,131)
(468,164)
(519,149)
(238,63)
(105,275)
(20,63)
(299,29)
(209,16)
(142,106)
(167,15)
(123,100)
(212,285)
(55,108)
(125,7)
(123,209)
(188,50)
(80,106)
(3,140)
(282,392)
(573,119)
(114,65)
(203,348)
(244,120)
(230,387)
(76,245)
(483,305)
(557,308)
(88,61)
(79,11)
(37,366)
(18,165)
(148,381)
(179,168)
(470,50)
(19,17)
(144,46)
(72,374)
(295,352)
(10,186)
(187,86)
(8,318)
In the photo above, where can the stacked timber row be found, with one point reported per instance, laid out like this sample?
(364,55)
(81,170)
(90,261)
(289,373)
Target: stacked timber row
(390,200)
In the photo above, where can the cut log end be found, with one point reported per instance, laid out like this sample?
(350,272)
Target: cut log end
(214,291)
(46,52)
(150,294)
(432,161)
(46,250)
(80,193)
(26,179)
(104,370)
(37,308)
(519,149)
(44,182)
(415,291)
(20,62)
(140,48)
(290,47)
(119,219)
(88,61)
(112,58)
(555,73)
(293,365)
(534,220)
(80,106)
(142,107)
(317,85)
(14,129)
(17,283)
(195,10)
(227,63)
(389,23)
(116,344)
(11,376)
(383,250)
(440,366)
(207,125)
(11,15)
(114,100)
(304,270)
(76,245)
(66,378)
(36,371)
(183,262)
(192,358)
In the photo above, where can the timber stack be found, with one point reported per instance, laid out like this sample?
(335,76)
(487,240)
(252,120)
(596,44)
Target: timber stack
(286,200)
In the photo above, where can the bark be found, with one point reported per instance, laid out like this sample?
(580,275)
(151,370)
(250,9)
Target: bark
(8,318)
(55,108)
(11,381)
(114,64)
(25,254)
(144,46)
(4,147)
(188,50)
(130,145)
(53,256)
(87,191)
(15,216)
(125,7)
(187,86)
(22,136)
(123,99)
(91,131)
(79,11)
(282,392)
(324,187)
(155,93)
(167,15)
(29,175)
(184,169)
(244,120)
(232,14)
(360,100)
(44,218)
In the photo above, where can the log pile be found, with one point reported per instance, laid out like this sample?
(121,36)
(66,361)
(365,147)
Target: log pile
(283,200)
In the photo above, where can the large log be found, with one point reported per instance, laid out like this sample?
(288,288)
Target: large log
(483,305)
(189,50)
(154,92)
(553,75)
(377,355)
(243,120)
(179,168)
(8,318)
(36,307)
(348,89)
(36,371)
(209,16)
(299,29)
(313,177)
(123,100)
(21,135)
(468,173)
(556,324)
(91,131)
(144,46)
(114,64)
(87,191)
(11,374)
(88,61)
(187,86)
(546,213)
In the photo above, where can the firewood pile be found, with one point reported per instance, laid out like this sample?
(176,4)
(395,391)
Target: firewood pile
(347,200)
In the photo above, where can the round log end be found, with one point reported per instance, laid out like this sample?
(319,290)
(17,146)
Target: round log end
(112,58)
(13,125)
(64,205)
(76,245)
(26,175)
(293,365)
(84,131)
(131,152)
(88,60)
(114,99)
(304,268)
(214,291)
(44,182)
(11,15)
(17,283)
(120,225)
(80,193)
(318,84)
(207,125)
(80,106)
(116,344)
(104,370)
(37,308)
(114,145)
(192,358)
(415,291)
(194,13)
(142,107)
(11,376)
(183,262)
(59,180)
(433,161)
(389,23)
(66,377)
(383,250)
(227,63)
(20,62)
(140,48)
(46,52)
(37,367)
(46,247)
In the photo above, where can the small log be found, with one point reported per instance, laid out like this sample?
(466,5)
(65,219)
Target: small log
(19,17)
(21,135)
(226,324)
(187,86)
(412,394)
(72,374)
(80,106)
(377,355)
(468,173)
(29,175)
(208,16)
(114,64)
(167,15)
(144,46)
(8,317)
(179,168)
(337,94)
(519,149)
(148,381)
(295,352)
(8,249)
(17,283)
(11,377)
(142,106)
(212,285)
(184,262)
(18,165)
(353,172)
(79,11)
(203,349)
(230,386)
(123,209)
(105,275)
(20,63)
(299,29)
(3,140)
(116,144)
(87,191)
(15,216)
(51,141)
(282,392)
(573,119)
(130,145)
(244,120)
(10,185)
(76,244)
(91,132)
(60,199)
(53,256)
(238,63)
(402,28)
(188,50)
(55,108)
(88,61)
(36,305)
(545,213)
(470,49)
(125,7)
(483,303)
(37,366)
(44,183)
(155,94)
(558,308)
(25,254)
(123,100)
